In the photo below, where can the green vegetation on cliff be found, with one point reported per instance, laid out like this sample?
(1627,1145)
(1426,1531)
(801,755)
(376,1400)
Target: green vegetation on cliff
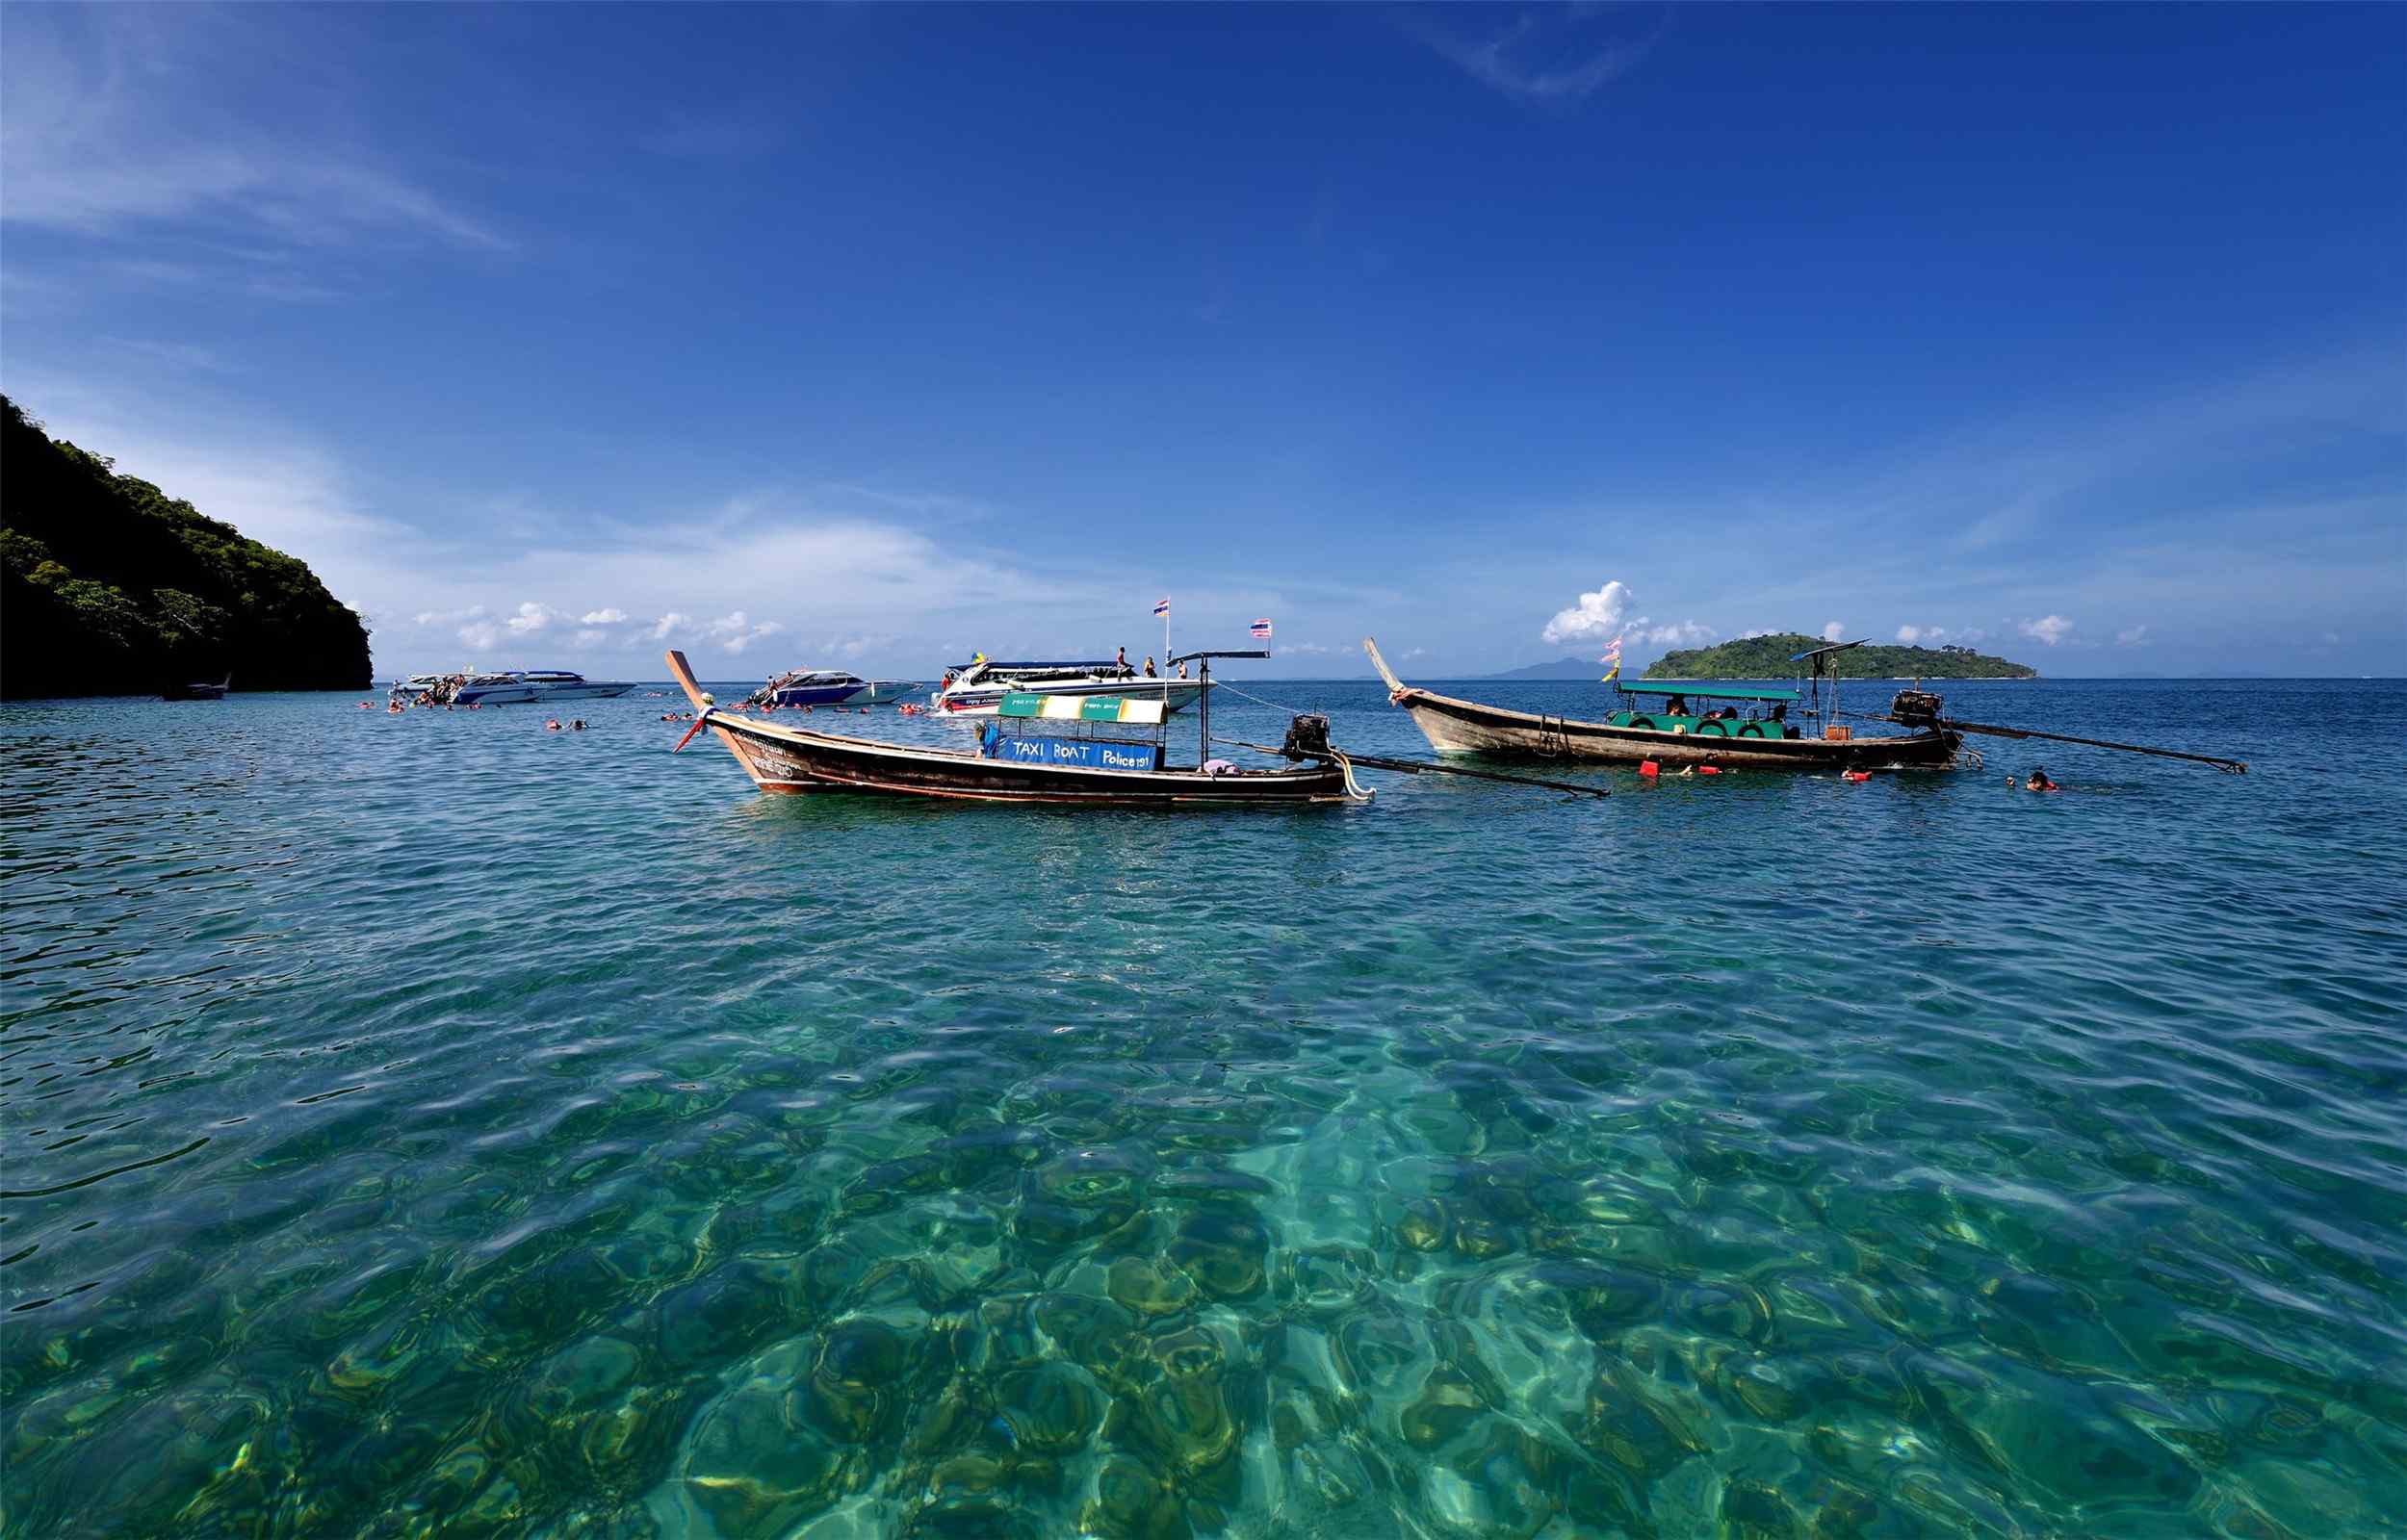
(108,586)
(1767,657)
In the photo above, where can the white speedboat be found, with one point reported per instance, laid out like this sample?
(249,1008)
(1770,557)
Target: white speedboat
(976,689)
(531,687)
(558,685)
(493,689)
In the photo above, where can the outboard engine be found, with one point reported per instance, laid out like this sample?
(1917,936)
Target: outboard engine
(1916,708)
(1307,738)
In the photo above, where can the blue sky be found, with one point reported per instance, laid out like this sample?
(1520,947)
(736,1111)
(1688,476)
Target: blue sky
(874,334)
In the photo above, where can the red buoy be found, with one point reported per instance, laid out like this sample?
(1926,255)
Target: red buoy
(1648,767)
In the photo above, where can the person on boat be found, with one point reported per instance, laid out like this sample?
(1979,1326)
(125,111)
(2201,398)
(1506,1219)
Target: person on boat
(1121,662)
(1677,705)
(1182,670)
(1149,667)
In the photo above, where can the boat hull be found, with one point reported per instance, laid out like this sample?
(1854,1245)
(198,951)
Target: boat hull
(1467,727)
(788,759)
(590,690)
(496,695)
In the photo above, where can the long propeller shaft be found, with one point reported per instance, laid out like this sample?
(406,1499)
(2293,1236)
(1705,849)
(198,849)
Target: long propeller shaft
(1415,767)
(2236,767)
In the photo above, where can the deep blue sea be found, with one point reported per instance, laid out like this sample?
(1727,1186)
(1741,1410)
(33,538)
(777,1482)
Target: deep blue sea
(435,1125)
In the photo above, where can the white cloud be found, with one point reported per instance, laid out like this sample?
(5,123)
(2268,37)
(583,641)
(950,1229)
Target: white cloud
(448,617)
(669,623)
(1682,633)
(736,631)
(1417,652)
(2131,636)
(532,617)
(1754,631)
(2049,630)
(1602,614)
(1922,635)
(605,617)
(482,635)
(1832,631)
(592,638)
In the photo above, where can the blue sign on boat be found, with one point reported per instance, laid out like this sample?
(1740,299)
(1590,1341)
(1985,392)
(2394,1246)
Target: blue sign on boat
(1087,754)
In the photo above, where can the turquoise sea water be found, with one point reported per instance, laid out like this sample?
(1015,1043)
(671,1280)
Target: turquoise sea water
(435,1125)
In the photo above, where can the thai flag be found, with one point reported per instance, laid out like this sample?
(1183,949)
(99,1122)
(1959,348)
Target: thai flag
(1162,608)
(1262,630)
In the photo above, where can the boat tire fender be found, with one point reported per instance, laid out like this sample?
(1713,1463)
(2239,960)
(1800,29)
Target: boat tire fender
(1645,721)
(1713,729)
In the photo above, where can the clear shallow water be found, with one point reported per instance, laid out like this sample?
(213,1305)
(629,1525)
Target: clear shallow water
(437,1125)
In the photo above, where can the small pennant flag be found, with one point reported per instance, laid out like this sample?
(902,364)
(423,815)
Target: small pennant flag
(1262,630)
(1162,608)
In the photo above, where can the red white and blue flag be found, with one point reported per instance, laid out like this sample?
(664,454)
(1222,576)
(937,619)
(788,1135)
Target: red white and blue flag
(1162,608)
(1262,630)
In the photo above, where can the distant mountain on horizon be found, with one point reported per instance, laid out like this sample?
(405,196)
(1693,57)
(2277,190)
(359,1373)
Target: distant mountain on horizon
(1562,668)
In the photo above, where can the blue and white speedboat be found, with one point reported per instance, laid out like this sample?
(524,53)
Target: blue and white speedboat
(830,686)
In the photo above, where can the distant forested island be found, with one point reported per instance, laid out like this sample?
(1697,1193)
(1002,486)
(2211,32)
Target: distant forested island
(1767,657)
(108,586)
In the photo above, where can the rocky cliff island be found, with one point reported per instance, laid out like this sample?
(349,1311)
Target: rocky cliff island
(108,586)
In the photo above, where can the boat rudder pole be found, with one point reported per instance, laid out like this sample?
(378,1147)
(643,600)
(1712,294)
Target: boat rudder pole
(2235,767)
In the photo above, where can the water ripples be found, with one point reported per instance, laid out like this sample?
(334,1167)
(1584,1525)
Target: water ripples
(437,1126)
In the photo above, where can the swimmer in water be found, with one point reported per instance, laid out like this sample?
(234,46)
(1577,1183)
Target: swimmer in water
(2039,782)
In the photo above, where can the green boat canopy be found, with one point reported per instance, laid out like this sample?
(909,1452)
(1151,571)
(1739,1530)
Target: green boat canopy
(1707,687)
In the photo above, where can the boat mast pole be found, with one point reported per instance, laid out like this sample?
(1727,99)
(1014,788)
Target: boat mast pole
(1204,675)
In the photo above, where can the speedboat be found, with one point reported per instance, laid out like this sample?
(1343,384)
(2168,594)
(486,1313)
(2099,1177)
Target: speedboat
(558,685)
(531,686)
(200,690)
(828,686)
(978,688)
(493,689)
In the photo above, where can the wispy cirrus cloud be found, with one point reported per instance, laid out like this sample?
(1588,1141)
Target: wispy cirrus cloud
(714,136)
(1545,57)
(123,120)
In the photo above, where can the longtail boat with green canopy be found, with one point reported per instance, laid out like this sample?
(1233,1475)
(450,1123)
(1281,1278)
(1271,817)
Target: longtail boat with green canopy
(1679,724)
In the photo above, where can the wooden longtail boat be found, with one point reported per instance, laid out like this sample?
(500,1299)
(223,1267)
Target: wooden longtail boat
(1672,738)
(1081,771)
